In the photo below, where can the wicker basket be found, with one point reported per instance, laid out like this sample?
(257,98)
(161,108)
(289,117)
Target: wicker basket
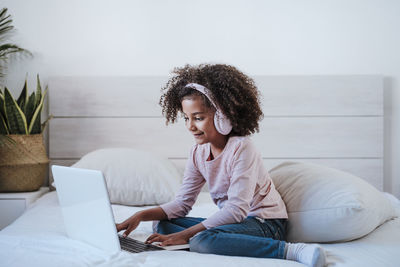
(23,166)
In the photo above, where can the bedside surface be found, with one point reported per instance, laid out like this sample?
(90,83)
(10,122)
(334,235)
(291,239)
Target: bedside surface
(29,196)
(13,205)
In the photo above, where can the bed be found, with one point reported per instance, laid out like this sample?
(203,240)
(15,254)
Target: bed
(38,238)
(312,123)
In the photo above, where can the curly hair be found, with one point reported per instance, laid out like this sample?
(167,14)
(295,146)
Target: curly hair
(235,94)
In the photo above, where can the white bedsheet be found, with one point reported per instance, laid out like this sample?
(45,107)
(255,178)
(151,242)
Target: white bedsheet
(38,238)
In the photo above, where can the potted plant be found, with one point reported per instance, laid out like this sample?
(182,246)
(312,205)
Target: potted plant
(23,162)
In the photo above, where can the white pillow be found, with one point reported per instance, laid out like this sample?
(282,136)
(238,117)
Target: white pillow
(328,205)
(134,177)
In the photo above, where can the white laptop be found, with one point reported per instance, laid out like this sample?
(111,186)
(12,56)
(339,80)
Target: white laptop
(87,211)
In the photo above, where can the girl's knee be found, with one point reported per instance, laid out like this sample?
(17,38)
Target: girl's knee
(161,227)
(203,242)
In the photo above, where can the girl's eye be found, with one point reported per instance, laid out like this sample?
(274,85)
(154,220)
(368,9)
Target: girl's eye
(196,118)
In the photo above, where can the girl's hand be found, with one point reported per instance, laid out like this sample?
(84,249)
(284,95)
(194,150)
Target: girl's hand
(167,240)
(129,224)
(132,222)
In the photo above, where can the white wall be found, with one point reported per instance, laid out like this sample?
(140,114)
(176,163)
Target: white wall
(126,37)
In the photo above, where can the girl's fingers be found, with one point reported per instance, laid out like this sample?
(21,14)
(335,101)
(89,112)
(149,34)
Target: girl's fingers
(154,238)
(120,226)
(128,231)
(150,237)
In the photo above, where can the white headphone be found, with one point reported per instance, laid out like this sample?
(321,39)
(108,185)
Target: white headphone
(221,122)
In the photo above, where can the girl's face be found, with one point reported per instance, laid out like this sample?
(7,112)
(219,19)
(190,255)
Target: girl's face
(200,120)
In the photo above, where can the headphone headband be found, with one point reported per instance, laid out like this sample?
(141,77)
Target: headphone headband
(202,89)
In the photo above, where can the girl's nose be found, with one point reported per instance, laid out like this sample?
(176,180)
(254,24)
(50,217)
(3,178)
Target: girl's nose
(190,125)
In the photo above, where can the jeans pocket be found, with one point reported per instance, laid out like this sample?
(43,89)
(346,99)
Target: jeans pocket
(277,235)
(273,229)
(280,227)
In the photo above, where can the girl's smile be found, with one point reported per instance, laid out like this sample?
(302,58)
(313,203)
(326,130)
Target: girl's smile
(199,135)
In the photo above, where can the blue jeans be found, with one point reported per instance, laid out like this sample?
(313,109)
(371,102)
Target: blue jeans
(253,237)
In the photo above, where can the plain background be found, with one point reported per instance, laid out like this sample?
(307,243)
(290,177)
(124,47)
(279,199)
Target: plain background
(260,37)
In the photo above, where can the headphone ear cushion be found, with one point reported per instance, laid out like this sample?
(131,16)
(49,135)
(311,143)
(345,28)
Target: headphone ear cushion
(222,123)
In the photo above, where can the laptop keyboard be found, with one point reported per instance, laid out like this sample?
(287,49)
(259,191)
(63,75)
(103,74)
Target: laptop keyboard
(135,246)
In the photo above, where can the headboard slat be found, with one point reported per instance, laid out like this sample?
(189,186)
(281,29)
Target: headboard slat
(331,137)
(282,96)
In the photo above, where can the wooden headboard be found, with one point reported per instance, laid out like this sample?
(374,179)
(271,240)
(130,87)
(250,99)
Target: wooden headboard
(331,120)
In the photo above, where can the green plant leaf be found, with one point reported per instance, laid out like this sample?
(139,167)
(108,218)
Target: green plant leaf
(34,126)
(8,49)
(23,98)
(38,92)
(3,118)
(30,108)
(15,117)
(5,21)
(44,124)
(2,105)
(3,125)
(7,141)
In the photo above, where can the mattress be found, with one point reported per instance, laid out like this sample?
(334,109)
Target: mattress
(38,238)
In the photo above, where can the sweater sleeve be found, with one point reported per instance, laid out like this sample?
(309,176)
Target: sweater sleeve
(191,186)
(241,190)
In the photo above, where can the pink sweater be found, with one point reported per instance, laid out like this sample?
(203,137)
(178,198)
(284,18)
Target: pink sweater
(238,182)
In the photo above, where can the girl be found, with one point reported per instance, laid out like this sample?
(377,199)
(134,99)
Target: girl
(221,109)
